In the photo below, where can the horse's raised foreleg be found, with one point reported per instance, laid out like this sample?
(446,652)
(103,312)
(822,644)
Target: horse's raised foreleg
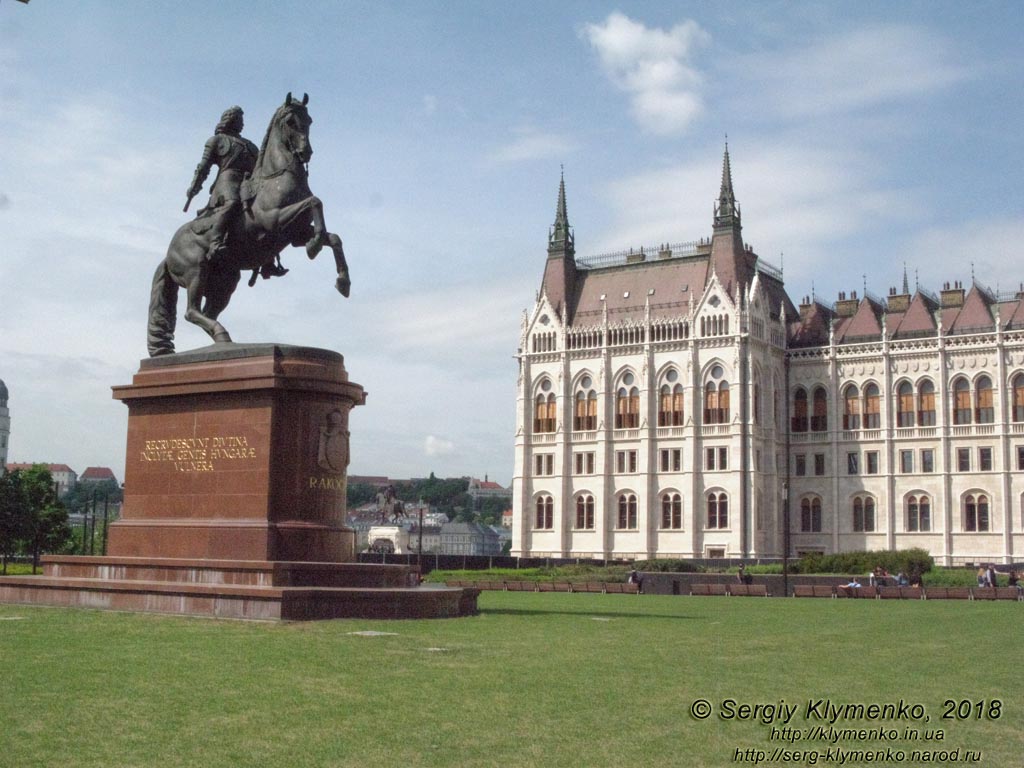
(344,282)
(310,207)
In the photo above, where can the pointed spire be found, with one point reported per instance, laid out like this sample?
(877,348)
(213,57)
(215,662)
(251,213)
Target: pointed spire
(727,213)
(561,237)
(906,284)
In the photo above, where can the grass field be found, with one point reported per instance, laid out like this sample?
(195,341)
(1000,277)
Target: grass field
(535,680)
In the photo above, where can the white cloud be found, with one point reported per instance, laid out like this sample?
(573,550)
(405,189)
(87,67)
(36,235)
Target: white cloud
(530,144)
(855,70)
(653,66)
(435,446)
(801,200)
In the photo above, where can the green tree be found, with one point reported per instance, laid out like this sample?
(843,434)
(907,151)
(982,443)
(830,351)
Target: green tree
(79,498)
(13,515)
(46,526)
(358,494)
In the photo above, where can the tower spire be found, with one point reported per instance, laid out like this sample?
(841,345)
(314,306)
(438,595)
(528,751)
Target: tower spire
(906,284)
(561,237)
(727,212)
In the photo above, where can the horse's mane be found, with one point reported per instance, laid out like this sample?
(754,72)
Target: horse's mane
(258,170)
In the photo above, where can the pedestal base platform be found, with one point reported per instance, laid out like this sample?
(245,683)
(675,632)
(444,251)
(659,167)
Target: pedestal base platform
(238,589)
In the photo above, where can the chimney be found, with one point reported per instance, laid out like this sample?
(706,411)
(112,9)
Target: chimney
(846,307)
(952,297)
(806,306)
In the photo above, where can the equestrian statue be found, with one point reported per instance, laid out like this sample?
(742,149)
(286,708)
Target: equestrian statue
(260,202)
(390,507)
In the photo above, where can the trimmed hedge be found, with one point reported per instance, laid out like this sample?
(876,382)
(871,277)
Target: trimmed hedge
(912,562)
(669,566)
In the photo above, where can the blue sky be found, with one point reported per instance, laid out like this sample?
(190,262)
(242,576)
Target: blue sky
(863,136)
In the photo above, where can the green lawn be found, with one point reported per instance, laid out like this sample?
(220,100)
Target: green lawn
(535,680)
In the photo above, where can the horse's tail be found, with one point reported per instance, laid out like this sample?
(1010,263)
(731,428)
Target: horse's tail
(163,312)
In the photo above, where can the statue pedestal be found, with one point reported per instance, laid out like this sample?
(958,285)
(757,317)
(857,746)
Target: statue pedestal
(235,499)
(238,453)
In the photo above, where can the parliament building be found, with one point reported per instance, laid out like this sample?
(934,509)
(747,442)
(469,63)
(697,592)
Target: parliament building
(674,402)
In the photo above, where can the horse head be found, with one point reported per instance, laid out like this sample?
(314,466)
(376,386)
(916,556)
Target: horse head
(292,121)
(287,139)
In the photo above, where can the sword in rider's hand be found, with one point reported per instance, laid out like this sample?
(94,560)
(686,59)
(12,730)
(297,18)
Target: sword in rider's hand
(188,202)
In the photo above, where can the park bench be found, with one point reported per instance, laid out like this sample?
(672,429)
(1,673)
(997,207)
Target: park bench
(520,586)
(589,586)
(996,593)
(621,588)
(705,590)
(899,593)
(870,593)
(813,590)
(748,590)
(947,593)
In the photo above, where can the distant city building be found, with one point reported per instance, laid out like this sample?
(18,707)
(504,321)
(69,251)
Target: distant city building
(487,489)
(63,475)
(674,402)
(469,539)
(97,475)
(506,518)
(431,538)
(5,425)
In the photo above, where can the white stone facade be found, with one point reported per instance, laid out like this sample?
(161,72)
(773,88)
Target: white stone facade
(904,473)
(909,434)
(643,461)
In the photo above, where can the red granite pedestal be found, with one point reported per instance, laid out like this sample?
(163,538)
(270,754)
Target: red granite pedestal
(234,501)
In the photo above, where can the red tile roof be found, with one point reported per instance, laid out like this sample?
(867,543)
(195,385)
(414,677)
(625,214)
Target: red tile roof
(97,473)
(916,321)
(975,314)
(52,467)
(864,325)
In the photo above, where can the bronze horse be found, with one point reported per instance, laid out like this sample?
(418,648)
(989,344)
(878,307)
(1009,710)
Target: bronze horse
(280,210)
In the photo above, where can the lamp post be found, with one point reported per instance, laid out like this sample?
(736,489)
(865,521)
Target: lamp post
(785,539)
(419,547)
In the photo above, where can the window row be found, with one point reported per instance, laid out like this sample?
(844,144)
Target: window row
(926,456)
(626,512)
(862,409)
(671,403)
(918,514)
(627,461)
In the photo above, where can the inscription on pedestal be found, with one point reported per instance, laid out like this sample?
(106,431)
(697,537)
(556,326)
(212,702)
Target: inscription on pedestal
(197,454)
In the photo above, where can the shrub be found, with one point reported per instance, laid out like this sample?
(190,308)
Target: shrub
(912,562)
(668,566)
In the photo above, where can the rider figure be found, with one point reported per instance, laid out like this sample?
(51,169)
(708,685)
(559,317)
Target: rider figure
(235,157)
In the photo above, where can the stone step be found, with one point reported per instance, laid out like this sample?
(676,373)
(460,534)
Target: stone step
(241,601)
(239,572)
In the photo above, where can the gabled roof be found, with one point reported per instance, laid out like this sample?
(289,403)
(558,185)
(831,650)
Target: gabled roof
(975,314)
(1011,313)
(918,320)
(812,329)
(865,325)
